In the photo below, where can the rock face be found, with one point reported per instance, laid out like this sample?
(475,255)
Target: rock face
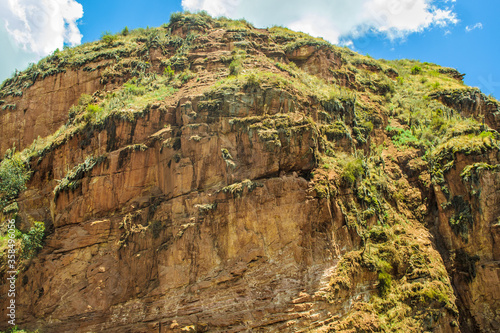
(223,178)
(476,254)
(43,107)
(472,103)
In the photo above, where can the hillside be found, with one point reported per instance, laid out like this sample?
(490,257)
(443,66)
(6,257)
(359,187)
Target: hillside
(209,176)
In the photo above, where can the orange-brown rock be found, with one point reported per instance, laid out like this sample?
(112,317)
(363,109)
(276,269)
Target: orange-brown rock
(256,186)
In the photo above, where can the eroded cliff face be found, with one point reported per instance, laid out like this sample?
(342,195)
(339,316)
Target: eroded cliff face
(43,107)
(253,180)
(470,194)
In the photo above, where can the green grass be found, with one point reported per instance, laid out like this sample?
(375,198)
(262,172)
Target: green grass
(108,38)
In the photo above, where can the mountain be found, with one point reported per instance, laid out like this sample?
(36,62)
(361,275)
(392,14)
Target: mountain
(208,176)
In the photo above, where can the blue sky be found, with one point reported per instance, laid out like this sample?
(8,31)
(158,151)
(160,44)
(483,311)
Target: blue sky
(453,33)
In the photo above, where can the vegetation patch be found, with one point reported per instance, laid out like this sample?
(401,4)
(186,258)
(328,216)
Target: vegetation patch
(14,173)
(409,282)
(466,144)
(237,189)
(416,70)
(461,221)
(471,173)
(403,138)
(236,65)
(73,178)
(206,208)
(352,170)
(309,41)
(31,242)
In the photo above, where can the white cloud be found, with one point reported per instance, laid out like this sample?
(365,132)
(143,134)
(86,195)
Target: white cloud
(478,25)
(41,26)
(334,19)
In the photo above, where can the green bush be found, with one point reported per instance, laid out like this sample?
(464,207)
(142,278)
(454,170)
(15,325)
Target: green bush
(169,72)
(252,81)
(435,86)
(416,70)
(185,76)
(93,111)
(13,177)
(405,138)
(489,135)
(368,125)
(201,20)
(125,31)
(85,100)
(32,241)
(353,169)
(235,67)
(108,38)
(176,17)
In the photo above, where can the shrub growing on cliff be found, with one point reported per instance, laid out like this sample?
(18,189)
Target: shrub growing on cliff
(134,89)
(13,177)
(168,72)
(108,38)
(93,111)
(353,169)
(416,70)
(32,241)
(236,66)
(85,100)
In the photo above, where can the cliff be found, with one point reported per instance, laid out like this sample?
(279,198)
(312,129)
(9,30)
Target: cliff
(208,176)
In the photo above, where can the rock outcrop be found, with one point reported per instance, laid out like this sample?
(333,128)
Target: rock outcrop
(208,176)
